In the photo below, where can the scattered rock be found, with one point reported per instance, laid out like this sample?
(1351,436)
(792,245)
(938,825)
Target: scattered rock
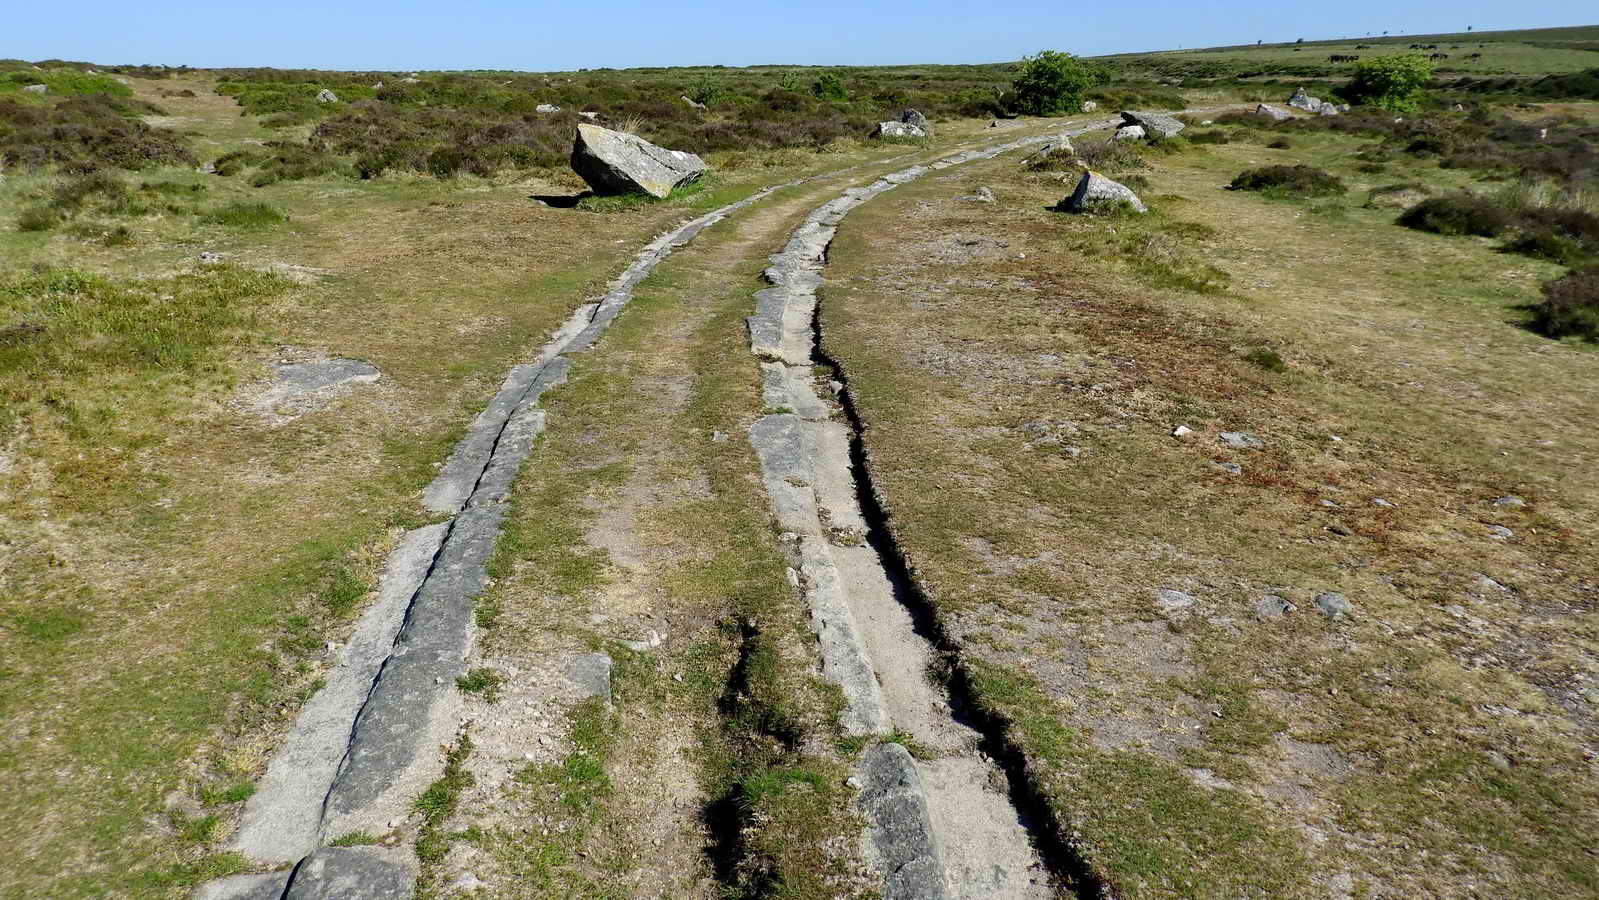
(692,103)
(465,884)
(613,162)
(1272,606)
(898,130)
(591,116)
(1181,431)
(1509,501)
(1095,190)
(1240,440)
(1339,529)
(1170,600)
(981,195)
(1484,583)
(1497,760)
(37,89)
(1089,106)
(1073,452)
(326,96)
(210,258)
(1383,503)
(1302,100)
(591,674)
(1327,109)
(546,108)
(1271,112)
(1231,468)
(1333,605)
(1153,123)
(1059,147)
(718,437)
(1500,533)
(1128,133)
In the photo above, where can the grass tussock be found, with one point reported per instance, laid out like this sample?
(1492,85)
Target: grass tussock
(246,215)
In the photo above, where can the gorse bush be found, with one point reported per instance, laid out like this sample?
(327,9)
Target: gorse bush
(1053,83)
(1290,181)
(1394,83)
(1570,307)
(830,87)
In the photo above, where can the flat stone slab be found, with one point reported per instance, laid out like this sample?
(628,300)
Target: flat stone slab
(898,825)
(355,873)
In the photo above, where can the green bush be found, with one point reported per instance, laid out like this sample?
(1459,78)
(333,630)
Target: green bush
(1393,83)
(38,218)
(1053,83)
(1570,307)
(1290,181)
(830,87)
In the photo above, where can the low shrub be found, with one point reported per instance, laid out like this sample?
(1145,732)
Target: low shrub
(1290,181)
(1110,156)
(1459,214)
(1266,358)
(85,133)
(1570,307)
(38,218)
(1213,136)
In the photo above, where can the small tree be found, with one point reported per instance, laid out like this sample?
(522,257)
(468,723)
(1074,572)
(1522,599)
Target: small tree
(1053,83)
(1394,83)
(830,87)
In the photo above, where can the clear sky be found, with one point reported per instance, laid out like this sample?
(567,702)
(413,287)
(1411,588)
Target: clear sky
(502,34)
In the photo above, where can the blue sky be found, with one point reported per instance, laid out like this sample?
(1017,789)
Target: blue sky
(497,34)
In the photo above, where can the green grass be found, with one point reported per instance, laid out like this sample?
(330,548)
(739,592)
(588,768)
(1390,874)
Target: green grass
(482,681)
(246,215)
(439,801)
(62,82)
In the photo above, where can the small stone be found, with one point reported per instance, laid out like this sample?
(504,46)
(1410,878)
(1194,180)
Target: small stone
(1332,605)
(981,195)
(209,258)
(1330,504)
(1497,760)
(1231,468)
(1272,606)
(1500,533)
(1456,610)
(546,108)
(1510,501)
(465,884)
(855,782)
(1484,583)
(1181,431)
(718,437)
(678,677)
(332,646)
(793,576)
(437,679)
(1340,529)
(1240,440)
(1172,600)
(1073,452)
(837,387)
(1383,503)
(788,537)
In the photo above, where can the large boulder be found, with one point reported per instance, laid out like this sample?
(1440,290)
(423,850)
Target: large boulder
(897,129)
(1154,124)
(37,89)
(1272,113)
(326,96)
(1129,133)
(1302,100)
(916,119)
(613,162)
(546,108)
(1097,191)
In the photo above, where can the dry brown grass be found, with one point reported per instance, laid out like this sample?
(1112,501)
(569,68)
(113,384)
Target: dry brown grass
(1020,411)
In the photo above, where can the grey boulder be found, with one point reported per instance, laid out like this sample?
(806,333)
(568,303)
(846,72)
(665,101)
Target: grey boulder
(326,96)
(1302,100)
(613,162)
(1129,133)
(897,129)
(37,89)
(1153,123)
(916,119)
(1089,106)
(692,103)
(1273,113)
(546,108)
(1097,191)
